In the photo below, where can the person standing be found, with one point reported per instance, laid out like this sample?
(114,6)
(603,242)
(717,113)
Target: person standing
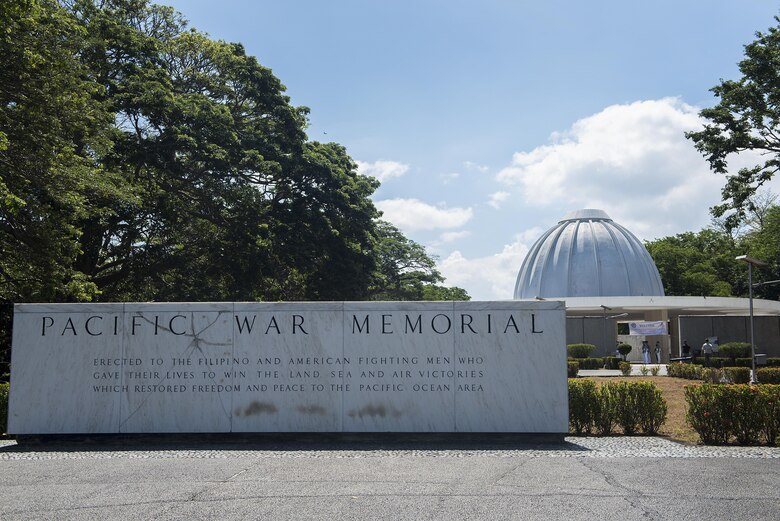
(686,349)
(657,352)
(645,351)
(706,349)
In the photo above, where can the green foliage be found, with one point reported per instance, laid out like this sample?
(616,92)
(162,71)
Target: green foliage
(652,407)
(625,368)
(745,119)
(582,403)
(768,375)
(719,413)
(606,409)
(712,375)
(624,349)
(763,242)
(404,271)
(590,363)
(771,401)
(736,375)
(4,387)
(612,362)
(681,370)
(696,263)
(773,362)
(635,406)
(655,370)
(708,413)
(572,369)
(580,350)
(735,350)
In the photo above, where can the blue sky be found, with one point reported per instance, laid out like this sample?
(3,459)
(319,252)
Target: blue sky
(488,121)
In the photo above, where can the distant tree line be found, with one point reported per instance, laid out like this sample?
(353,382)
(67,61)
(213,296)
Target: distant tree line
(703,263)
(141,160)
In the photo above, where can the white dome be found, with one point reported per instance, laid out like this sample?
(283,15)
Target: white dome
(588,255)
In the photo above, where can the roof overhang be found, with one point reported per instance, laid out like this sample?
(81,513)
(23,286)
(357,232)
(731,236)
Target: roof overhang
(675,306)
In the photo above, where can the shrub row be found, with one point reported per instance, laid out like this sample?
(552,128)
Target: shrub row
(590,363)
(745,413)
(731,375)
(633,406)
(4,407)
(607,362)
(719,361)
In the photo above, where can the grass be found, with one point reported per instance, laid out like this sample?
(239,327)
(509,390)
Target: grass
(675,426)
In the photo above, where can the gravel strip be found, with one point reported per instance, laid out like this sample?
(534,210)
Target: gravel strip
(573,447)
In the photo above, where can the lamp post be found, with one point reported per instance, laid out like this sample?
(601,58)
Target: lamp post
(752,261)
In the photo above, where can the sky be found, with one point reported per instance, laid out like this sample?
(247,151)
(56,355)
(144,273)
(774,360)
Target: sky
(486,122)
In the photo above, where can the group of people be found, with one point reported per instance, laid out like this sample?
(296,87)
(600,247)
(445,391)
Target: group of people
(646,352)
(707,349)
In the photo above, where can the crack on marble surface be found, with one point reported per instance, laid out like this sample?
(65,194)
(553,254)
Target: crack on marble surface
(192,347)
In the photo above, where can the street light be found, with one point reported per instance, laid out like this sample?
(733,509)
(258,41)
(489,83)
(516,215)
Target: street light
(752,261)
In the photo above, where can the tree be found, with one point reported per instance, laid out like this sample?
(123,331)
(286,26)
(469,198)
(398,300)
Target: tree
(745,119)
(764,243)
(404,271)
(52,129)
(696,263)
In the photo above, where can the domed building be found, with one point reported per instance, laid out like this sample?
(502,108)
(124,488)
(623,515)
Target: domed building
(605,275)
(587,254)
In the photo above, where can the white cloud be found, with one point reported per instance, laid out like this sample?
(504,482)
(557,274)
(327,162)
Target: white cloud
(449,178)
(469,165)
(497,198)
(382,170)
(486,278)
(633,161)
(412,214)
(453,236)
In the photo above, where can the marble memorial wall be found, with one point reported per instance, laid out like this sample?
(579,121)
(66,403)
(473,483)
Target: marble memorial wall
(289,367)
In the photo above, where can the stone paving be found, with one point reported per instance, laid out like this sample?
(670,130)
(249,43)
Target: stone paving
(573,447)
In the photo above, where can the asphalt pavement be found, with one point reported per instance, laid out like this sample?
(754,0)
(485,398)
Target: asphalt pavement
(401,477)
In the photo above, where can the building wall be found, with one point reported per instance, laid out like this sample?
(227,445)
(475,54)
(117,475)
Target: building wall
(597,331)
(695,329)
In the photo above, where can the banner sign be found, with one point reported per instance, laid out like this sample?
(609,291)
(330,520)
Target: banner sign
(648,328)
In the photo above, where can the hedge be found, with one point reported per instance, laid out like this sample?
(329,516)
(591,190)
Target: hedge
(745,413)
(580,350)
(590,363)
(634,406)
(768,375)
(736,375)
(573,369)
(735,350)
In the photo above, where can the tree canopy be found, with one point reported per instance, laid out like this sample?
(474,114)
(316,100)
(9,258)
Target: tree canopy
(745,119)
(704,262)
(142,160)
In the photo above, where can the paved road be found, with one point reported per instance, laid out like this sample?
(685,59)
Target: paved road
(584,478)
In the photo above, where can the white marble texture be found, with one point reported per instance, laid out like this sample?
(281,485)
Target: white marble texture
(280,396)
(390,402)
(304,367)
(193,401)
(53,374)
(523,388)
